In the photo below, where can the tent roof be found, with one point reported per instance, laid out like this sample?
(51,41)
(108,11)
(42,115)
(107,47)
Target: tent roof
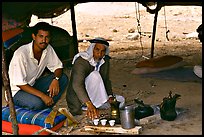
(18,14)
(19,10)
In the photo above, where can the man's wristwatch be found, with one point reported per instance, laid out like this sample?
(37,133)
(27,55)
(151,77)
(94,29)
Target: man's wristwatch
(56,78)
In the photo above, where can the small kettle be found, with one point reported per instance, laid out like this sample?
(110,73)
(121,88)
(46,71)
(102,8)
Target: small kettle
(142,110)
(168,107)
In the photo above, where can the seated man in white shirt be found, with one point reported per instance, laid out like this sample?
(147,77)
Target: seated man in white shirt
(29,89)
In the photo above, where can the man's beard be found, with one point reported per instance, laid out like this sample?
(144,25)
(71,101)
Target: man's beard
(98,60)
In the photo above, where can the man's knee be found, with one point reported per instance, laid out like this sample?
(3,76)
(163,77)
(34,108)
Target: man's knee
(74,107)
(37,106)
(73,104)
(64,79)
(64,76)
(75,111)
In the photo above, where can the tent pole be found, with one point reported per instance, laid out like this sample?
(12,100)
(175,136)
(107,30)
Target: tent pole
(75,41)
(154,32)
(9,94)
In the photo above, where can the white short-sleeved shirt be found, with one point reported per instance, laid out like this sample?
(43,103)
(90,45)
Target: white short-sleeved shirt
(24,68)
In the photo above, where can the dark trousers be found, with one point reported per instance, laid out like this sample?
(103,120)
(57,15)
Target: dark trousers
(30,101)
(73,102)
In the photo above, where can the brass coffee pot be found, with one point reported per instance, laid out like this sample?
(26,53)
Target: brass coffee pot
(115,112)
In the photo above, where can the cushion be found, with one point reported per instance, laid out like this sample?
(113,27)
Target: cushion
(23,128)
(11,36)
(30,118)
(159,62)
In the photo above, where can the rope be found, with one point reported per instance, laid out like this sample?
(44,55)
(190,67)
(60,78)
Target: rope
(167,31)
(138,18)
(138,24)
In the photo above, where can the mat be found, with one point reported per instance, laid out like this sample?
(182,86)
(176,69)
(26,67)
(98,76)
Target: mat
(183,74)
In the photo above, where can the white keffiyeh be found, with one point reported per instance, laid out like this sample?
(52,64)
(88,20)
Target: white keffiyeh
(88,55)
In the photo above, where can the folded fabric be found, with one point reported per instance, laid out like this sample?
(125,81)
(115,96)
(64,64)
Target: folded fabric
(120,99)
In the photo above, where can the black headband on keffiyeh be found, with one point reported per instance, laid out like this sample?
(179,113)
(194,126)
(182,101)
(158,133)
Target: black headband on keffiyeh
(99,40)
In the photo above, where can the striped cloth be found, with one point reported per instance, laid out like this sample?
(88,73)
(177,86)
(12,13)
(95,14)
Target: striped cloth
(32,117)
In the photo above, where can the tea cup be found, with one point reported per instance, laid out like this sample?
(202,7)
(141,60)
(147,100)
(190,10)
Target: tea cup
(111,122)
(95,121)
(103,122)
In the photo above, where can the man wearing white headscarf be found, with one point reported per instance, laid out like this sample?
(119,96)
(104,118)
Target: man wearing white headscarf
(89,81)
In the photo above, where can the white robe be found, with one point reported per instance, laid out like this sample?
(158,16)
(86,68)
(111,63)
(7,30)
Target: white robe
(96,89)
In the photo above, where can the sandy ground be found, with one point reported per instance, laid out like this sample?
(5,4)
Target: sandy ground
(114,21)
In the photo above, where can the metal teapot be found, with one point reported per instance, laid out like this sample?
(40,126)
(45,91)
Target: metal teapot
(168,107)
(142,110)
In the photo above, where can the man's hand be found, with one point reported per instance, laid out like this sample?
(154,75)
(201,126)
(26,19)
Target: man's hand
(45,98)
(91,112)
(111,99)
(54,88)
(48,100)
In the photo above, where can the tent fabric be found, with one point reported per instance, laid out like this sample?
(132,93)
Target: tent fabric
(18,14)
(10,24)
